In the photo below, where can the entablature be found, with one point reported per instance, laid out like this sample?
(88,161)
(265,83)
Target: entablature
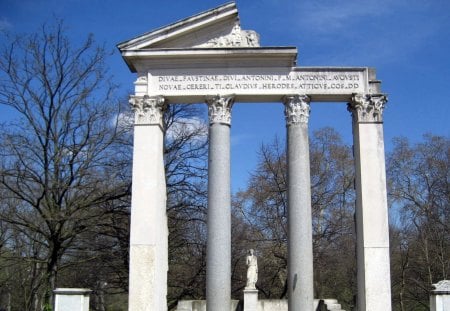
(258,84)
(208,54)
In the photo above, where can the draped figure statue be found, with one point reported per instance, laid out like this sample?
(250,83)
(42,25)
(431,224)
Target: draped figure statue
(252,269)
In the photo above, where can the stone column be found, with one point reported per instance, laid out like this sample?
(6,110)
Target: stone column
(218,255)
(300,254)
(372,229)
(148,228)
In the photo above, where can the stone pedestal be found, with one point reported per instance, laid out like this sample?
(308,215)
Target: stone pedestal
(148,228)
(300,254)
(72,299)
(218,254)
(440,296)
(250,299)
(200,305)
(372,229)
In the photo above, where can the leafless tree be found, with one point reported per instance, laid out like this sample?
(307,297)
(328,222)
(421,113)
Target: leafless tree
(185,156)
(263,207)
(60,162)
(419,176)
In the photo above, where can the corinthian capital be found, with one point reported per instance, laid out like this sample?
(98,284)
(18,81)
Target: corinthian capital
(296,109)
(367,107)
(148,110)
(219,109)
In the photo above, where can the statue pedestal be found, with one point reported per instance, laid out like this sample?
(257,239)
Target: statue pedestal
(250,299)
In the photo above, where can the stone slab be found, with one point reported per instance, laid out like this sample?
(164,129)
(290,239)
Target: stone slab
(262,305)
(256,84)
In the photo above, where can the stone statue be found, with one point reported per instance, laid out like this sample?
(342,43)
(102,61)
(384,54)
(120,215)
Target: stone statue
(252,269)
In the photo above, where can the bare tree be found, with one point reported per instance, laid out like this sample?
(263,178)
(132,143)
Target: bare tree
(263,206)
(419,176)
(60,165)
(185,156)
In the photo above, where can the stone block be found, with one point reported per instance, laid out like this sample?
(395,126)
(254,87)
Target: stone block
(440,296)
(250,299)
(72,299)
(199,305)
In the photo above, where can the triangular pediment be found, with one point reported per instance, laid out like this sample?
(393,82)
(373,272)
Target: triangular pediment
(215,28)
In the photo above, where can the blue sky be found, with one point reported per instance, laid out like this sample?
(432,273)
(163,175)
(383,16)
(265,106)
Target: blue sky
(407,41)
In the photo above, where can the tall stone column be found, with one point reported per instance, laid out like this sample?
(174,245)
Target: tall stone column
(148,228)
(300,253)
(372,229)
(218,255)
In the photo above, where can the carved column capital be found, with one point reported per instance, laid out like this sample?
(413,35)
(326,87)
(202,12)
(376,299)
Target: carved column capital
(296,109)
(219,108)
(148,110)
(367,107)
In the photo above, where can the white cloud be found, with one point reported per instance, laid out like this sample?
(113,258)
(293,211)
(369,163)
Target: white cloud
(188,126)
(182,127)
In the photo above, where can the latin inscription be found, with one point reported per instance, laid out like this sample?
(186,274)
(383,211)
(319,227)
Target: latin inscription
(303,82)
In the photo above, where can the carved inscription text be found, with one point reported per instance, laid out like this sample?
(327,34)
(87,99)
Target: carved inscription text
(295,82)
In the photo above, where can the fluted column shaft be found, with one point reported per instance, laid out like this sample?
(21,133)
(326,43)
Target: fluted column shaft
(372,228)
(148,228)
(300,254)
(218,257)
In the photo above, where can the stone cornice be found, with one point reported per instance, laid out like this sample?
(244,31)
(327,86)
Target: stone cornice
(442,287)
(148,110)
(183,27)
(219,109)
(367,108)
(296,109)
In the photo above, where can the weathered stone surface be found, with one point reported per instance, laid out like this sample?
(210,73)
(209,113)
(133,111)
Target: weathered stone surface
(143,293)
